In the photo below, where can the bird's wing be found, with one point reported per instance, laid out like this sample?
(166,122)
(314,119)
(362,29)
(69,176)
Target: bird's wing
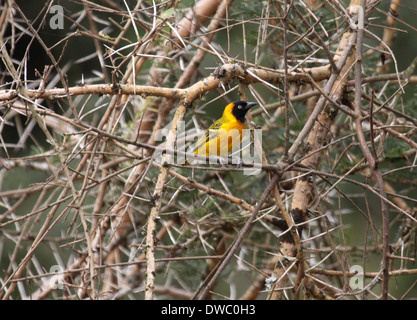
(211,133)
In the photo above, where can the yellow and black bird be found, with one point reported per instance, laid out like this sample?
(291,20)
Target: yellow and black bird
(225,134)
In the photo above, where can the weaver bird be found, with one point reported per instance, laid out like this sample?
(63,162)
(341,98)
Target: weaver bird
(225,134)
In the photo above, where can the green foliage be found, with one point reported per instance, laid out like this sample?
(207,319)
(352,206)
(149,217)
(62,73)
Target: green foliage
(99,219)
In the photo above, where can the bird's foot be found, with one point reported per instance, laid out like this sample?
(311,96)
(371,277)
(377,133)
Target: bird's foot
(238,163)
(234,162)
(220,161)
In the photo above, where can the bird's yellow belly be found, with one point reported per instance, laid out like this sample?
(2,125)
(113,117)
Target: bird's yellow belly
(223,144)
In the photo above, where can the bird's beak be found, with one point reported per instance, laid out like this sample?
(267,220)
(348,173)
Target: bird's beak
(250,105)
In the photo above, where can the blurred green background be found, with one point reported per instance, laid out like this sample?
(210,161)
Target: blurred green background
(79,47)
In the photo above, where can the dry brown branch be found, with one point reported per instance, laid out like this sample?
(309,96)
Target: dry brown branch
(194,19)
(389,34)
(93,204)
(304,192)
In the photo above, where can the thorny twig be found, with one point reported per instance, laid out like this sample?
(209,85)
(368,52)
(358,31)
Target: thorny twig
(125,221)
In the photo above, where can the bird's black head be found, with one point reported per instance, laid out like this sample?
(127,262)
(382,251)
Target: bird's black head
(240,109)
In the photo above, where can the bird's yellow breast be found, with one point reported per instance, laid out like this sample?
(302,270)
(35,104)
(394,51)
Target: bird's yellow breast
(221,138)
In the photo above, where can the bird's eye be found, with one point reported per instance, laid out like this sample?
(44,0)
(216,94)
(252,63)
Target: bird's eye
(239,107)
